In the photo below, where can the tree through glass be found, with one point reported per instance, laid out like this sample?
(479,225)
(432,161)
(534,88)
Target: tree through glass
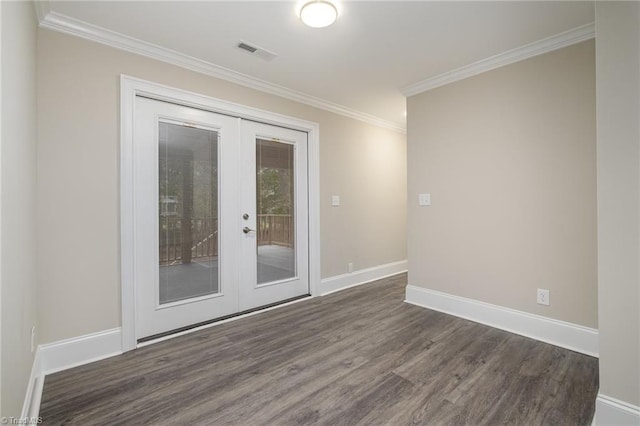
(275,191)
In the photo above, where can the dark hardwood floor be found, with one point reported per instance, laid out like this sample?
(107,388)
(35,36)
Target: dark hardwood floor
(360,356)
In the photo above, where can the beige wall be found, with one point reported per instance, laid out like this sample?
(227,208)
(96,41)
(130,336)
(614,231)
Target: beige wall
(618,82)
(509,159)
(78,151)
(18,200)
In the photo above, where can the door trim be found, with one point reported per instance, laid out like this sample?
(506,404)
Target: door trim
(130,88)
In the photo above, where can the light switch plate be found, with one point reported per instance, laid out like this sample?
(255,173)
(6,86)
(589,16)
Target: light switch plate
(335,200)
(424,199)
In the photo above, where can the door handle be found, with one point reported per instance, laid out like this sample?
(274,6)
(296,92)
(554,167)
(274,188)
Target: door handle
(246,230)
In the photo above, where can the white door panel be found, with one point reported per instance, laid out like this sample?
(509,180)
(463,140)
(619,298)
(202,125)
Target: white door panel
(171,290)
(274,196)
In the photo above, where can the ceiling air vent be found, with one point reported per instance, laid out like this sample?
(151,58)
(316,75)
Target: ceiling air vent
(256,51)
(248,48)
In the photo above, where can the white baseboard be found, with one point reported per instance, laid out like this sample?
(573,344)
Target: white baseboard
(363,276)
(69,353)
(31,405)
(613,412)
(64,354)
(564,334)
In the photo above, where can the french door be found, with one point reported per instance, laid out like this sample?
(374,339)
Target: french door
(221,222)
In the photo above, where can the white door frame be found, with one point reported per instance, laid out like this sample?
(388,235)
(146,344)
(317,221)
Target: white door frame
(131,87)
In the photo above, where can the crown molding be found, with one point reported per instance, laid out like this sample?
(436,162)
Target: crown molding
(65,24)
(43,7)
(558,41)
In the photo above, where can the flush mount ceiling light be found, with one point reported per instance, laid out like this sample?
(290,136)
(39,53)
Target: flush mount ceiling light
(319,13)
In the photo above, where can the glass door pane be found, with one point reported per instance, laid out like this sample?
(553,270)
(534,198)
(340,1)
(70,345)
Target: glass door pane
(275,172)
(188,212)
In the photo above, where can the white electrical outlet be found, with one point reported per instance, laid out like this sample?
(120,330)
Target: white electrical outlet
(33,339)
(543,297)
(350,267)
(335,200)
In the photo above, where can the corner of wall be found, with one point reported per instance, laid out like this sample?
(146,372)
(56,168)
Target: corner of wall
(1,7)
(618,162)
(18,28)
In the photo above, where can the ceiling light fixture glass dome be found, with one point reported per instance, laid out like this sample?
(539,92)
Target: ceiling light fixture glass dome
(319,13)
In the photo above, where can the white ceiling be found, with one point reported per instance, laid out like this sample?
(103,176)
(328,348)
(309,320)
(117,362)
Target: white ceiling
(361,62)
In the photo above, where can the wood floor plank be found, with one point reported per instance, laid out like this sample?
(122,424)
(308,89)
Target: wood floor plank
(360,356)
